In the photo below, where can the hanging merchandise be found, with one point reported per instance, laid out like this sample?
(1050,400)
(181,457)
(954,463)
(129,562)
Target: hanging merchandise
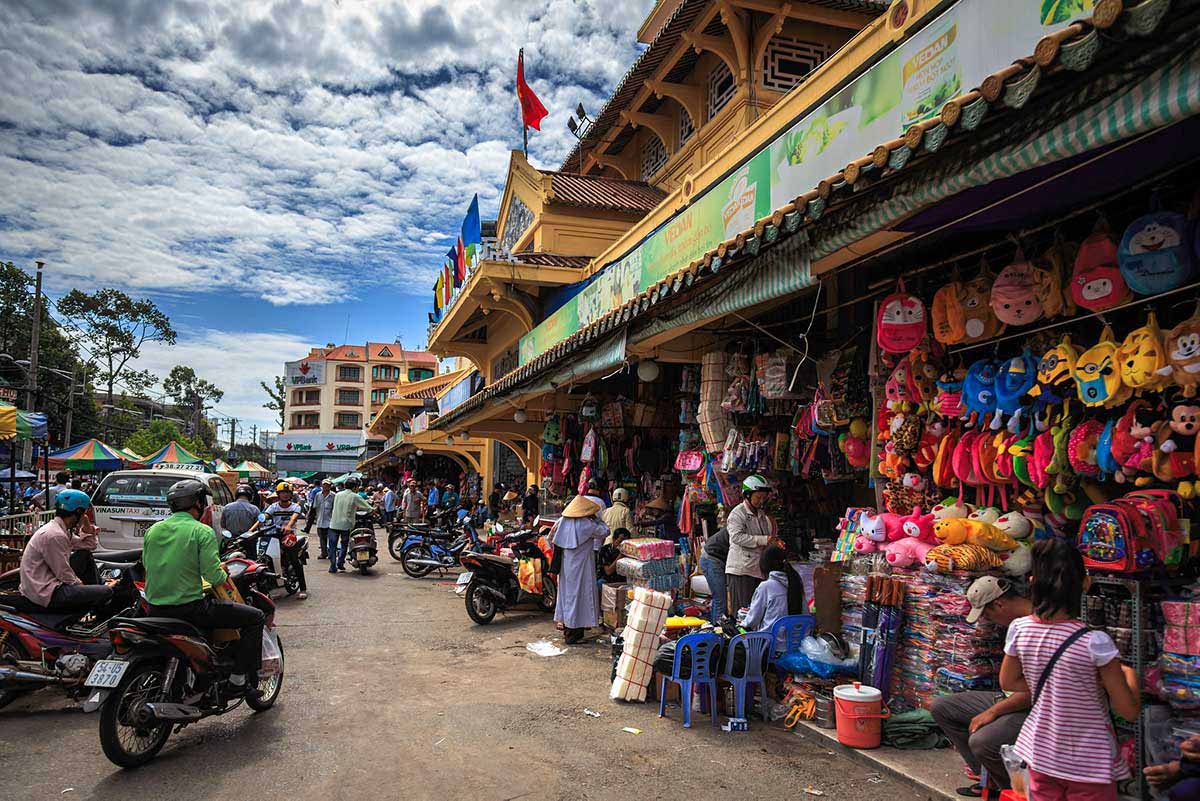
(589,409)
(1098,373)
(1014,297)
(552,432)
(1133,441)
(900,324)
(1142,355)
(981,322)
(1175,457)
(1015,379)
(1096,282)
(1048,279)
(949,318)
(587,451)
(1055,379)
(773,374)
(1183,354)
(1156,252)
(979,388)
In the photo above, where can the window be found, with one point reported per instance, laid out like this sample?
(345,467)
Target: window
(384,353)
(419,374)
(721,87)
(788,61)
(347,420)
(306,397)
(654,155)
(306,420)
(220,491)
(349,372)
(349,397)
(686,127)
(134,489)
(379,395)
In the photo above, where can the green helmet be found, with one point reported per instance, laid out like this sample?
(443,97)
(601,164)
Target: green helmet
(755,484)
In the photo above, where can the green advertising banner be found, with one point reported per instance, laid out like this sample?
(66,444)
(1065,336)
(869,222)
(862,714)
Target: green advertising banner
(955,51)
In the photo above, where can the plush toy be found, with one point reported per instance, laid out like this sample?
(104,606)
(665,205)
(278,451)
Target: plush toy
(1141,355)
(898,388)
(871,533)
(1048,280)
(1097,372)
(900,326)
(979,320)
(893,526)
(985,514)
(947,558)
(949,399)
(1176,457)
(913,481)
(1183,355)
(1055,380)
(950,509)
(1096,283)
(1018,561)
(1015,525)
(1016,378)
(1155,253)
(949,317)
(922,378)
(907,552)
(957,531)
(1133,441)
(979,388)
(1014,300)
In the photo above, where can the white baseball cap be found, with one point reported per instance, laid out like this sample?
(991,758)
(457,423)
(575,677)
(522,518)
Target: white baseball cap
(982,592)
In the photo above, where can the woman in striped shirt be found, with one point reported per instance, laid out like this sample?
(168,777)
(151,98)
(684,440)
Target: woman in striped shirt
(1068,739)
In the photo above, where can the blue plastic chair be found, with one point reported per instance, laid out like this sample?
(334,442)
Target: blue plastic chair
(757,645)
(702,647)
(788,632)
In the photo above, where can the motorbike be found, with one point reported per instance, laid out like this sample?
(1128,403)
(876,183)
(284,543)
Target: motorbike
(490,582)
(269,551)
(401,532)
(362,552)
(165,674)
(424,553)
(40,648)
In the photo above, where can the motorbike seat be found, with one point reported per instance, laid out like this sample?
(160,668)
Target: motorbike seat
(131,555)
(158,625)
(491,557)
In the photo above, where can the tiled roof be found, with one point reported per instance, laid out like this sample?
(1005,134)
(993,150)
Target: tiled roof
(634,197)
(552,260)
(1073,48)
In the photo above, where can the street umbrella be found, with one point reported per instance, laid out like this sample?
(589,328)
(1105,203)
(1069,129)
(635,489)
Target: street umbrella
(172,453)
(22,475)
(8,422)
(31,425)
(251,470)
(221,466)
(88,456)
(344,477)
(133,459)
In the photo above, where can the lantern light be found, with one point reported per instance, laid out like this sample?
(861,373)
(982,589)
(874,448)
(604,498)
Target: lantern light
(519,416)
(648,370)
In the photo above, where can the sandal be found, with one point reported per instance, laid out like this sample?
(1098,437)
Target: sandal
(973,791)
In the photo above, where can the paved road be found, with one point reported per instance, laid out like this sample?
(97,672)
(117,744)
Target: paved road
(391,692)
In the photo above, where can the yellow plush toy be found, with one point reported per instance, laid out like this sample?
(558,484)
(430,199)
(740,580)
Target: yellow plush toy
(965,531)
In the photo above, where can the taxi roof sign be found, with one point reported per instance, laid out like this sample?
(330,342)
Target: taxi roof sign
(197,468)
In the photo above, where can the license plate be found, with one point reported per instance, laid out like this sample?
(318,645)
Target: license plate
(106,673)
(362,557)
(140,529)
(465,578)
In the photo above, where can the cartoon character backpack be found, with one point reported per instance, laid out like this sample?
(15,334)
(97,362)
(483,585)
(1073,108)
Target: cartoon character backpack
(979,320)
(899,389)
(949,316)
(1183,354)
(1014,300)
(552,432)
(1055,378)
(949,402)
(1014,380)
(1098,374)
(1142,355)
(1048,279)
(922,377)
(979,388)
(1155,254)
(1096,281)
(900,326)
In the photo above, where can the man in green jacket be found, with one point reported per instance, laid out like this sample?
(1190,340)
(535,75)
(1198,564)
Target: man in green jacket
(345,505)
(179,554)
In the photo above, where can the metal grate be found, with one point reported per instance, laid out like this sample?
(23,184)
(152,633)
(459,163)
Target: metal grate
(721,87)
(788,61)
(654,155)
(686,126)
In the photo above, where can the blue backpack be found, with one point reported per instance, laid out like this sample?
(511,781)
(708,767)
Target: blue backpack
(1155,254)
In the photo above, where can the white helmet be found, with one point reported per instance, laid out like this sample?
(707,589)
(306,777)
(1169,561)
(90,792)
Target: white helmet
(755,484)
(620,495)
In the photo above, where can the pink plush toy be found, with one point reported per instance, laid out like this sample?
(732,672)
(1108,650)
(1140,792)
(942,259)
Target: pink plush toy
(907,552)
(893,526)
(872,533)
(918,526)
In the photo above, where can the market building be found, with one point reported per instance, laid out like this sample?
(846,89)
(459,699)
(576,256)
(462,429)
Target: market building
(850,286)
(332,396)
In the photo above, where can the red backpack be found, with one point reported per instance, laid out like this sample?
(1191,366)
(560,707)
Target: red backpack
(1131,534)
(1096,282)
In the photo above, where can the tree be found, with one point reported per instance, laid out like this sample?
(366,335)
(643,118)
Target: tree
(278,397)
(114,327)
(146,441)
(192,393)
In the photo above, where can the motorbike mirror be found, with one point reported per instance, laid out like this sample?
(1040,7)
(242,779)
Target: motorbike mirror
(262,517)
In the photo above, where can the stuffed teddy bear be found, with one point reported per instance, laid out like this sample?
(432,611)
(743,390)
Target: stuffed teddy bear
(959,531)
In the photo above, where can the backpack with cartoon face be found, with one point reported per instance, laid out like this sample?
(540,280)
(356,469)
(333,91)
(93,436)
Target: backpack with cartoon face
(1097,372)
(899,389)
(1048,279)
(552,433)
(979,320)
(949,316)
(1096,281)
(1156,252)
(979,387)
(1183,354)
(1013,381)
(1141,355)
(1014,299)
(900,325)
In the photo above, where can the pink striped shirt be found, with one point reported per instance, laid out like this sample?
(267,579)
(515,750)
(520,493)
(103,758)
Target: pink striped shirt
(1068,734)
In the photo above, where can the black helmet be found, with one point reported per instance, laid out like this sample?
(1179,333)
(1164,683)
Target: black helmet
(245,490)
(183,495)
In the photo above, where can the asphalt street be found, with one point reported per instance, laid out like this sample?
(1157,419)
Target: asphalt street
(391,692)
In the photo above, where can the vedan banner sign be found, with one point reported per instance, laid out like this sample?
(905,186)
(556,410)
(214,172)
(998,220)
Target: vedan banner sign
(955,51)
(304,373)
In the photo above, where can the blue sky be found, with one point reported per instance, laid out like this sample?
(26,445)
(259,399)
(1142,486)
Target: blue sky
(267,170)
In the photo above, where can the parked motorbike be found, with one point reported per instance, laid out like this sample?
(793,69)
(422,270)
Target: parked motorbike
(424,553)
(165,673)
(402,532)
(490,582)
(363,552)
(39,648)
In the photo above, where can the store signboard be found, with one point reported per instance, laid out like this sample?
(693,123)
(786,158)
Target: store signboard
(304,373)
(954,52)
(456,395)
(419,423)
(317,443)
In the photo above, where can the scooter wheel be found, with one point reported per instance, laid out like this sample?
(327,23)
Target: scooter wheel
(549,595)
(416,552)
(396,547)
(10,652)
(481,605)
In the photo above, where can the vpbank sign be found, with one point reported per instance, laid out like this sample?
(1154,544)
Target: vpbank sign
(318,443)
(304,373)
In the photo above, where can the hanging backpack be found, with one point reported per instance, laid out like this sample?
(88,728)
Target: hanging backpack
(1049,282)
(1142,355)
(979,320)
(1155,254)
(1183,353)
(949,317)
(1014,299)
(552,432)
(1096,281)
(1132,534)
(1106,459)
(587,451)
(900,323)
(1016,377)
(979,388)
(1097,373)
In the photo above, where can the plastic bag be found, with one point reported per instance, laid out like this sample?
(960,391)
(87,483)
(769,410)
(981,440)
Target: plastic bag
(529,576)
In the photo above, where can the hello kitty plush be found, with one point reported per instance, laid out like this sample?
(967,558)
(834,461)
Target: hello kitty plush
(872,533)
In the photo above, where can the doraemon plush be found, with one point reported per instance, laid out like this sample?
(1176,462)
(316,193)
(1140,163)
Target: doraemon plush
(1155,254)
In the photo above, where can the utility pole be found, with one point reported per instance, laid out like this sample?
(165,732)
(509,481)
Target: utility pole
(35,339)
(233,424)
(70,410)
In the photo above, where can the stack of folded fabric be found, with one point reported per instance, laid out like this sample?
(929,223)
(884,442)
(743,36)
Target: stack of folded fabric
(647,618)
(647,548)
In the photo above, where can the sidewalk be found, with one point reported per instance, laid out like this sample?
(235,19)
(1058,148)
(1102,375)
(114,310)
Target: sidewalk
(937,772)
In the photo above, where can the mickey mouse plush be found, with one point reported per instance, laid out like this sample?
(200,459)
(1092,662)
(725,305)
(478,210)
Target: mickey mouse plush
(1178,442)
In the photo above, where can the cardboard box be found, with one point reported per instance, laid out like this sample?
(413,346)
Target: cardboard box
(613,597)
(614,619)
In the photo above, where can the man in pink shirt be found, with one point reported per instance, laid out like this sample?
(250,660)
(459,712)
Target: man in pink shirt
(46,575)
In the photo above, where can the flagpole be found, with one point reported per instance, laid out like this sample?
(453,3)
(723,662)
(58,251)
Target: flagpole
(524,129)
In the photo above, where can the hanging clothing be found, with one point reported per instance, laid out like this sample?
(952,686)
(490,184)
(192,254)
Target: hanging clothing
(578,604)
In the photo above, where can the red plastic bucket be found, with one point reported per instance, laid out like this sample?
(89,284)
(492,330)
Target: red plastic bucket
(860,715)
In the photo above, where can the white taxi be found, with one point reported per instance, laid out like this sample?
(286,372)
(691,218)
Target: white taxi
(128,502)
